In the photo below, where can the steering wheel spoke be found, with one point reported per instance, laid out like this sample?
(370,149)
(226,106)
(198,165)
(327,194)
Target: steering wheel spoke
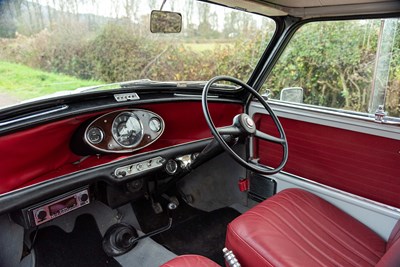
(269,138)
(229,130)
(244,125)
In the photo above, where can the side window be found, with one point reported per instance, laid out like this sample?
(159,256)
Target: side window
(351,65)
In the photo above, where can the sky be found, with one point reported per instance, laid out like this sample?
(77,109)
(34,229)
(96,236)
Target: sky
(117,8)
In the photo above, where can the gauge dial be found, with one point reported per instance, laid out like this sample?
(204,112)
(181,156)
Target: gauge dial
(155,124)
(127,129)
(95,135)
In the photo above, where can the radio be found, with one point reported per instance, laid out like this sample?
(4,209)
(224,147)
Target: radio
(56,207)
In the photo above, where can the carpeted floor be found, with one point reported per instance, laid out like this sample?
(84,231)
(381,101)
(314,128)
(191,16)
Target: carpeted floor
(80,248)
(193,231)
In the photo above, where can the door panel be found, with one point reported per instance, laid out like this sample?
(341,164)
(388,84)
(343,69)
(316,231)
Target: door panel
(360,163)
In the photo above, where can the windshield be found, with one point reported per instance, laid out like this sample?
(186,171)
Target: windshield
(50,46)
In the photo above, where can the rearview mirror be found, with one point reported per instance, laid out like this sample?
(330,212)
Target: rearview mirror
(165,22)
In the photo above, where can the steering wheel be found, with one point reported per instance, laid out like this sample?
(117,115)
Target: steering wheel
(243,125)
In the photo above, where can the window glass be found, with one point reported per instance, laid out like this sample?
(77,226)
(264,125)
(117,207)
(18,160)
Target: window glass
(50,46)
(352,65)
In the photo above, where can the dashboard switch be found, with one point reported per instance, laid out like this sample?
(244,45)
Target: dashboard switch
(139,167)
(121,173)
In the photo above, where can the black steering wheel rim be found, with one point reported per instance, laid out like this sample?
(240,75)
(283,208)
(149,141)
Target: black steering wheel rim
(221,141)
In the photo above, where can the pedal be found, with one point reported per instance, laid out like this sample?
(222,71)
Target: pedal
(157,208)
(174,200)
(188,198)
(171,199)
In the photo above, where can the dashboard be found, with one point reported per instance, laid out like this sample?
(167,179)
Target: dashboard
(123,131)
(107,153)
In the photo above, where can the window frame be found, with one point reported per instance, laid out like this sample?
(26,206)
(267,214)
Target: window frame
(291,26)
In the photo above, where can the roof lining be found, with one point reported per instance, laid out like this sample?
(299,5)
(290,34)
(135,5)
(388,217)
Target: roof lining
(354,7)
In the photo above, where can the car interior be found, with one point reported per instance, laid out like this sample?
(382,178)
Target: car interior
(228,172)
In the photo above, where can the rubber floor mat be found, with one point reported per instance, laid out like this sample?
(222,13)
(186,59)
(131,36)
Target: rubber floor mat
(80,248)
(193,231)
(150,221)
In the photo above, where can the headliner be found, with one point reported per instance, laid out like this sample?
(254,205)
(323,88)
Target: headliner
(315,8)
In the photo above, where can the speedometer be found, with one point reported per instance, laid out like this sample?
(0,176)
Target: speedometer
(127,130)
(120,131)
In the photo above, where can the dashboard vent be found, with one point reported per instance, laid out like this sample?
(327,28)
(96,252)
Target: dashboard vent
(126,97)
(33,115)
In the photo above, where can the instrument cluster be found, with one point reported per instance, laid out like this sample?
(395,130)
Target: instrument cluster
(124,131)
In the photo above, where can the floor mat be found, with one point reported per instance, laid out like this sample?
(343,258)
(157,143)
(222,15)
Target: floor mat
(150,221)
(203,235)
(193,231)
(81,247)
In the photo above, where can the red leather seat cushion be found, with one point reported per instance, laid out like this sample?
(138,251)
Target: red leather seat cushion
(392,255)
(297,228)
(190,261)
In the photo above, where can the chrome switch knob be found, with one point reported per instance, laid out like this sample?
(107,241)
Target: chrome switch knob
(139,167)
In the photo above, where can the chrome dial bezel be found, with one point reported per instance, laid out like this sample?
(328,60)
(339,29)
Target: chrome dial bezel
(113,129)
(101,135)
(158,122)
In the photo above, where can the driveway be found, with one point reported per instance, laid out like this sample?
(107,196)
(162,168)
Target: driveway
(7,100)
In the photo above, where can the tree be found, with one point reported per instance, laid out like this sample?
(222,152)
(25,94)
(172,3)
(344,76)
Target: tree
(7,21)
(332,62)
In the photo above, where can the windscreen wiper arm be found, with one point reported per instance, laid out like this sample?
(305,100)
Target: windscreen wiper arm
(150,83)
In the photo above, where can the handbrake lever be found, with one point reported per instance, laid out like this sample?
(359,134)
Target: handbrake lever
(134,240)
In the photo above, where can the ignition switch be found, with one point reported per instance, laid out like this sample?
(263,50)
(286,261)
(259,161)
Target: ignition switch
(171,167)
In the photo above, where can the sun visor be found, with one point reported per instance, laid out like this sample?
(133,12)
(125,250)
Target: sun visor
(251,6)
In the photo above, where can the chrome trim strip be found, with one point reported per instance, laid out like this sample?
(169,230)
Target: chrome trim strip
(352,121)
(63,107)
(378,216)
(196,96)
(389,208)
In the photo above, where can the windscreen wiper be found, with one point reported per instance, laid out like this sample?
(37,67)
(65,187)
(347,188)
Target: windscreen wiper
(149,83)
(175,84)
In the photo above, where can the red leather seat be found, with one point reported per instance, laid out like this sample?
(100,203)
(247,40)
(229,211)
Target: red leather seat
(297,228)
(190,261)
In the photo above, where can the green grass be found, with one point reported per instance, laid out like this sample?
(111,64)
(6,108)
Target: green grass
(24,82)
